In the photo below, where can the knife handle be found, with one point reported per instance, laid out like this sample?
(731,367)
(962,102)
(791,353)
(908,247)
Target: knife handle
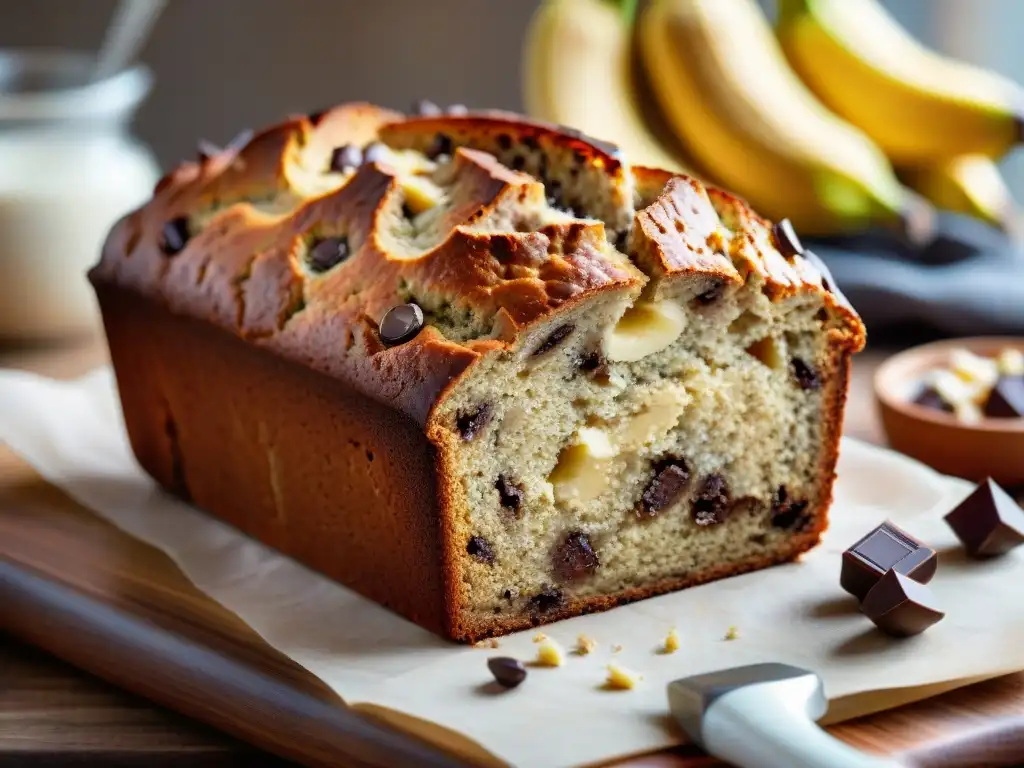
(757,727)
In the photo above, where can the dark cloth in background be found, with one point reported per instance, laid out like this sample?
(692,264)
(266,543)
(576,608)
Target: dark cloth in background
(969,281)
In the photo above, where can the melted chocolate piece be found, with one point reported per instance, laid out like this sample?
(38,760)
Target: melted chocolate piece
(575,558)
(469,424)
(511,495)
(327,253)
(712,502)
(479,548)
(884,549)
(712,294)
(804,374)
(547,600)
(556,338)
(400,324)
(174,236)
(789,514)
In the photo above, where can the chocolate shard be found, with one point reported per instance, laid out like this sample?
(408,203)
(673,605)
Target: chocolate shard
(786,240)
(900,606)
(1006,400)
(883,549)
(988,522)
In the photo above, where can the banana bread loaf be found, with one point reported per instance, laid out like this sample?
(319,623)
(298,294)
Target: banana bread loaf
(475,367)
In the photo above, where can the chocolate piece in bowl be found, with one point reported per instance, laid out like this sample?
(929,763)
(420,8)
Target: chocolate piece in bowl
(930,397)
(1006,400)
(900,606)
(883,549)
(988,522)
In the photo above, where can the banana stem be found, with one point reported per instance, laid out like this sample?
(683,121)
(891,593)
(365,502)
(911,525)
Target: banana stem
(627,8)
(788,9)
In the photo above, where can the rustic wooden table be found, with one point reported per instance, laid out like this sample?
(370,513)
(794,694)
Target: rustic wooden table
(53,714)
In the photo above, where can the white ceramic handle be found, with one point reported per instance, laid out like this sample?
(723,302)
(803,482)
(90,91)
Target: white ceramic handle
(752,727)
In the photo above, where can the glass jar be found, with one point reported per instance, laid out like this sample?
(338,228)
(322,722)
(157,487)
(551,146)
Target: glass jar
(68,170)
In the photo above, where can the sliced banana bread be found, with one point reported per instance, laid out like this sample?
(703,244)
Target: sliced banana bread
(477,368)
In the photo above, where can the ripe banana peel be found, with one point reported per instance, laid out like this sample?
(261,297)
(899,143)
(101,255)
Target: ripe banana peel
(970,184)
(920,107)
(726,89)
(576,72)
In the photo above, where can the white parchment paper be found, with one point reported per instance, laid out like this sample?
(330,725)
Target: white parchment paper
(72,433)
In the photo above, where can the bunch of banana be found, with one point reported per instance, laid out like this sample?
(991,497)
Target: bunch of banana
(939,120)
(969,184)
(722,81)
(806,123)
(577,72)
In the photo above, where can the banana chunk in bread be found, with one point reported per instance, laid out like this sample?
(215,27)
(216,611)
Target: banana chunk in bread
(606,382)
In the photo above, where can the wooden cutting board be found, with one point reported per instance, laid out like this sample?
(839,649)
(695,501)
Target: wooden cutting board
(81,589)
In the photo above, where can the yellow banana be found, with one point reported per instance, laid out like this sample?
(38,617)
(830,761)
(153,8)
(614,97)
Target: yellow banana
(576,72)
(724,85)
(918,106)
(969,184)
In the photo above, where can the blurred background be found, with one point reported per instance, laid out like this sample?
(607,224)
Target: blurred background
(221,66)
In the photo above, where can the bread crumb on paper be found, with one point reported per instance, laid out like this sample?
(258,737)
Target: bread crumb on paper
(550,654)
(490,642)
(616,649)
(621,679)
(540,637)
(585,645)
(732,632)
(671,641)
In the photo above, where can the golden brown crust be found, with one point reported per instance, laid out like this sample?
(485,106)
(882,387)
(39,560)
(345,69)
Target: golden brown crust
(330,391)
(243,271)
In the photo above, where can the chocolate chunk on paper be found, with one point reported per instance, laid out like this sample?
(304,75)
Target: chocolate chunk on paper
(883,549)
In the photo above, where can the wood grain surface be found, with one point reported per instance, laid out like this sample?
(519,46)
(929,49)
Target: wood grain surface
(123,611)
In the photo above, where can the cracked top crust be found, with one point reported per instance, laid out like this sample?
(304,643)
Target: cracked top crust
(491,223)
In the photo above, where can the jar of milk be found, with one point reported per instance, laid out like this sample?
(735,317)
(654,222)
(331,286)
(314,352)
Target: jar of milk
(68,170)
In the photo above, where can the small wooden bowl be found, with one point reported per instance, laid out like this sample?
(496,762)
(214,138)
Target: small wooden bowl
(989,448)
